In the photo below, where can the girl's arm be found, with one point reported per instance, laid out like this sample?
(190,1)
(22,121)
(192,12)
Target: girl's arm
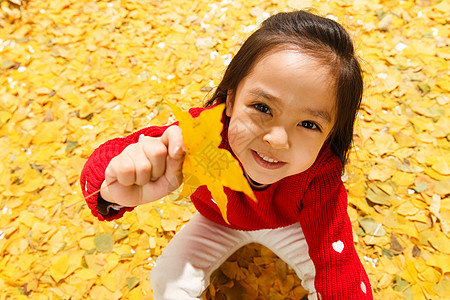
(328,232)
(93,173)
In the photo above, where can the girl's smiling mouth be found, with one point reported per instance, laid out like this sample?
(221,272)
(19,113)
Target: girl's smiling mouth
(266,161)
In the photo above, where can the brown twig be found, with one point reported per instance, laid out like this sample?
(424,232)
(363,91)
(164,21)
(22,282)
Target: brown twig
(99,190)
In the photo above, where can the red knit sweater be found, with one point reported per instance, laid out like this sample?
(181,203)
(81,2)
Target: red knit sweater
(316,198)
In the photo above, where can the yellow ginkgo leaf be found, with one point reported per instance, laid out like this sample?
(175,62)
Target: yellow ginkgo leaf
(205,163)
(442,166)
(59,268)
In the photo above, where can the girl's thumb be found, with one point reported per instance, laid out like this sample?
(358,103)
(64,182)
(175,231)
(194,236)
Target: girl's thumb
(174,167)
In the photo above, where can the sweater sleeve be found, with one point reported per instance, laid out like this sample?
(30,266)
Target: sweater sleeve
(93,173)
(328,232)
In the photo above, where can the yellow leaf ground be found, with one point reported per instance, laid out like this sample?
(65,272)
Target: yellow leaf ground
(76,73)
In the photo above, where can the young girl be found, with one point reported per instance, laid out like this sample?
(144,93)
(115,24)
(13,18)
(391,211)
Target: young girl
(291,93)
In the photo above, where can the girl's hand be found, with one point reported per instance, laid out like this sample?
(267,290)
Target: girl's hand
(145,171)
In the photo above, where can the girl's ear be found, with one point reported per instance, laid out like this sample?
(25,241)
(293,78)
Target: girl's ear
(229,103)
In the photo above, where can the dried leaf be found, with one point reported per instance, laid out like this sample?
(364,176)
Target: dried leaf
(377,195)
(299,4)
(132,282)
(416,251)
(104,242)
(425,88)
(395,244)
(371,227)
(442,166)
(59,268)
(205,162)
(407,209)
(70,145)
(99,77)
(442,289)
(442,187)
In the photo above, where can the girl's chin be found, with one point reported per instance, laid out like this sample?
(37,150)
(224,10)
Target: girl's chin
(259,180)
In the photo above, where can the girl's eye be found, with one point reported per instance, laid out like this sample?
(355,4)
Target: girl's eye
(262,108)
(310,125)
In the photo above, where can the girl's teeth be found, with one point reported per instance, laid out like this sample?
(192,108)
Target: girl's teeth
(267,159)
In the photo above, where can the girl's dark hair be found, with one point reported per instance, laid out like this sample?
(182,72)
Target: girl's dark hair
(319,37)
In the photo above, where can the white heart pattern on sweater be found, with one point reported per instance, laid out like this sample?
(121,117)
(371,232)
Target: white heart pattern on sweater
(338,246)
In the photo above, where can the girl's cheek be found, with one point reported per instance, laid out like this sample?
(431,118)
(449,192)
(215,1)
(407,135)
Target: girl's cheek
(236,137)
(241,134)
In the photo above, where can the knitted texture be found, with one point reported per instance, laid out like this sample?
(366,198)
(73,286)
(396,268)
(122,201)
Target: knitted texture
(316,198)
(93,173)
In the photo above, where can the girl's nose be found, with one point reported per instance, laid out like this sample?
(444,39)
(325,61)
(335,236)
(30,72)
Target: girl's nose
(277,138)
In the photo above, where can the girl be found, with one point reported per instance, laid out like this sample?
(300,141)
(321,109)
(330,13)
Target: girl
(291,93)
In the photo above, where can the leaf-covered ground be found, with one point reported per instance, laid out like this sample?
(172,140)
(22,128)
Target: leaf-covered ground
(74,73)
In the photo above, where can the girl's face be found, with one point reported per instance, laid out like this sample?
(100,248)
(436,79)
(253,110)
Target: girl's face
(281,115)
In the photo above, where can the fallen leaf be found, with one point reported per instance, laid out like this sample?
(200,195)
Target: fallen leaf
(205,162)
(104,242)
(105,74)
(132,282)
(59,268)
(371,227)
(442,166)
(377,195)
(442,289)
(70,145)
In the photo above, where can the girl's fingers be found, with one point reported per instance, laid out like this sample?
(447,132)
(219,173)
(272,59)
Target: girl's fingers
(173,139)
(138,163)
(151,164)
(122,195)
(174,174)
(143,166)
(121,169)
(155,153)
